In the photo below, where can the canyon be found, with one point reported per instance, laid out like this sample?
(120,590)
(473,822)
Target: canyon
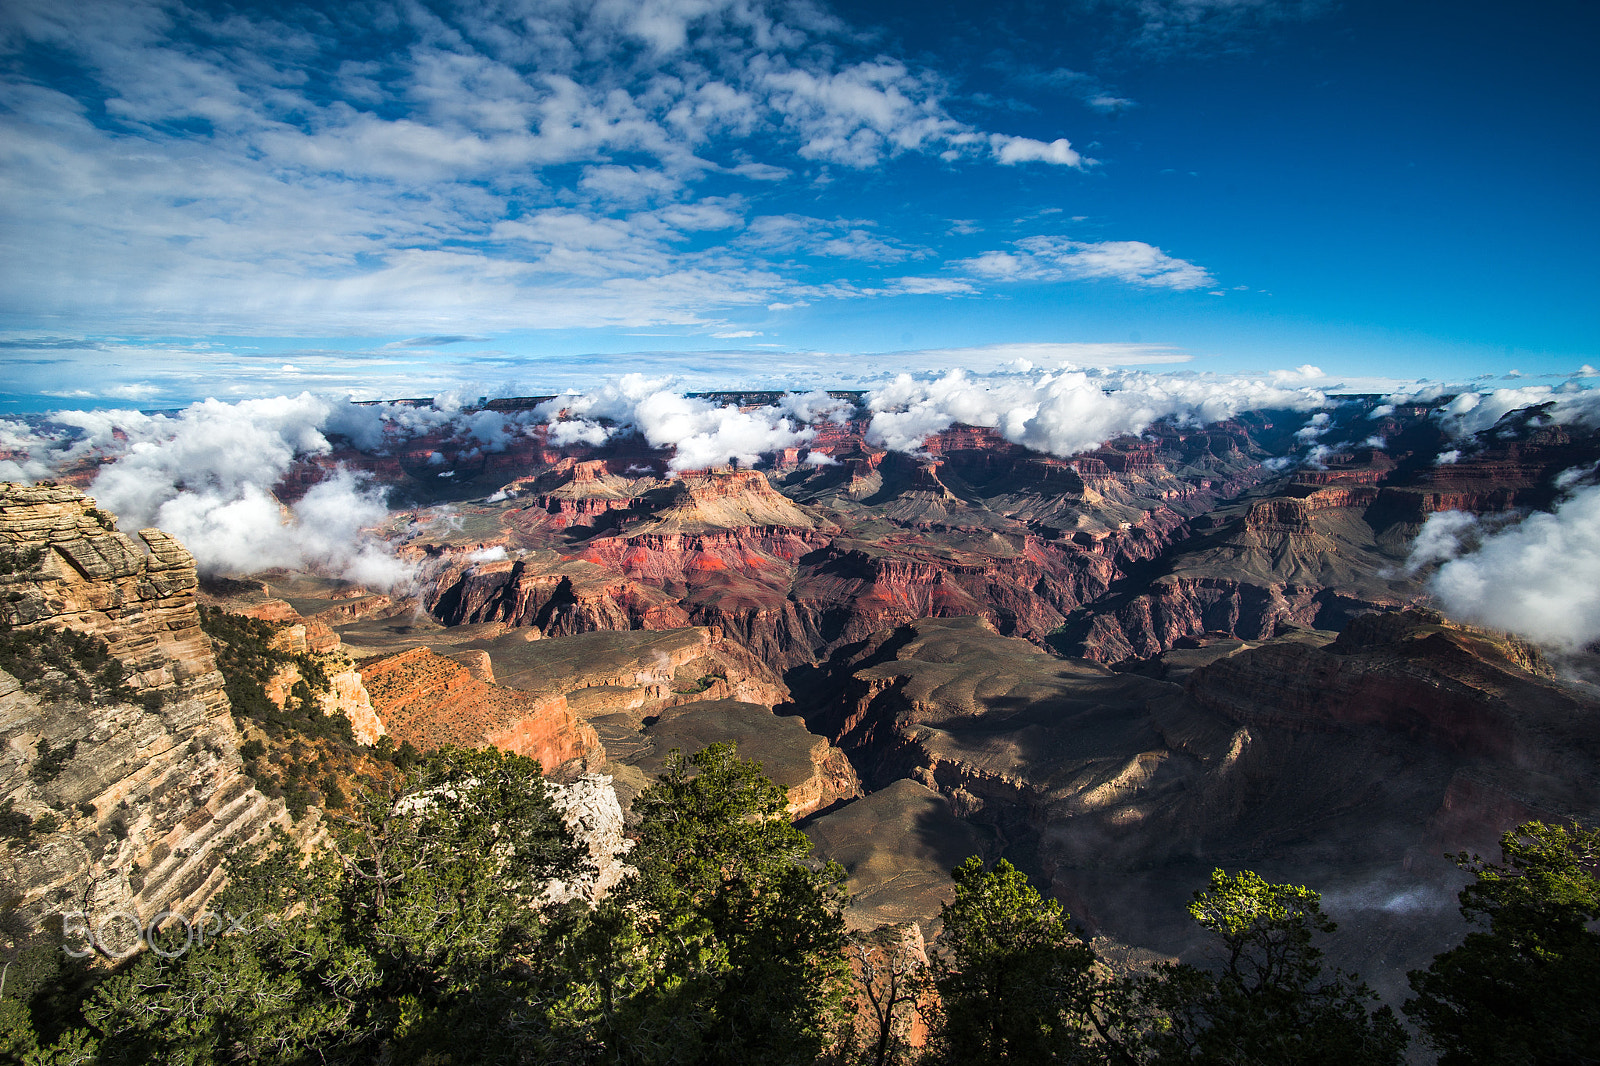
(1198,647)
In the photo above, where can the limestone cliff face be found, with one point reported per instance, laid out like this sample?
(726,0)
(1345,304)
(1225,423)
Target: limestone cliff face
(150,795)
(590,808)
(346,695)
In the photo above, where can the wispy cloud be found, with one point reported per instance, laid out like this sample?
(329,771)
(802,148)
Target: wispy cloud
(404,168)
(1061,259)
(835,239)
(1166,27)
(1088,89)
(437,341)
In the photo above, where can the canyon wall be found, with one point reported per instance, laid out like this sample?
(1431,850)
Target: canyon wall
(135,796)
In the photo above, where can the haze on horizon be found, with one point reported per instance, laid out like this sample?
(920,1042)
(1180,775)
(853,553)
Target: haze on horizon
(526,197)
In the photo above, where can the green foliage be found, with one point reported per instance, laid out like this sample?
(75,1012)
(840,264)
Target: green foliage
(14,824)
(51,760)
(702,684)
(406,940)
(20,560)
(1016,983)
(419,937)
(40,989)
(736,947)
(46,824)
(1522,990)
(1268,1001)
(247,660)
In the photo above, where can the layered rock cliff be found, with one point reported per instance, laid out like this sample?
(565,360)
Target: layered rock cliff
(429,700)
(135,790)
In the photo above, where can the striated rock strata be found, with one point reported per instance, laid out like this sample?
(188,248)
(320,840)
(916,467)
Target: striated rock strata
(429,700)
(152,794)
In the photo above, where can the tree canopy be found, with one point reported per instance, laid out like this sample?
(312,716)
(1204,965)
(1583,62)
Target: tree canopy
(1267,998)
(421,934)
(1521,990)
(1015,981)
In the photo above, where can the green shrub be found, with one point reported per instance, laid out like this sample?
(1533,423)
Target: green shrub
(51,760)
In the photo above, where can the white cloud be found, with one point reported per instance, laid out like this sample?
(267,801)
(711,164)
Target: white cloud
(931,286)
(207,477)
(1013,150)
(1539,578)
(983,357)
(701,434)
(1062,259)
(1068,411)
(836,239)
(1472,412)
(1441,538)
(544,169)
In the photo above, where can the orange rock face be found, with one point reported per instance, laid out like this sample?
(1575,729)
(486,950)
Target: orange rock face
(430,701)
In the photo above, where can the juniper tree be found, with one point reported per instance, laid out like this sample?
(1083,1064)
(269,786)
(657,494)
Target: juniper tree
(1521,990)
(1269,999)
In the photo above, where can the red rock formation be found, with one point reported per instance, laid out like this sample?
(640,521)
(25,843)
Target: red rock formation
(430,700)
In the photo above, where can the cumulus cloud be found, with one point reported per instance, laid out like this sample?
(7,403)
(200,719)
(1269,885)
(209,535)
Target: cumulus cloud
(1441,538)
(1062,412)
(816,406)
(1013,150)
(1065,412)
(1063,259)
(1539,578)
(206,475)
(1473,412)
(701,434)
(1315,426)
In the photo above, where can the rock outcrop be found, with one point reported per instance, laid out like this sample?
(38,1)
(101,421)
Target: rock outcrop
(815,774)
(429,700)
(135,801)
(590,809)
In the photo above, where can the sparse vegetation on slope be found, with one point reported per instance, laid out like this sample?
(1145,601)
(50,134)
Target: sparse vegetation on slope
(60,663)
(295,752)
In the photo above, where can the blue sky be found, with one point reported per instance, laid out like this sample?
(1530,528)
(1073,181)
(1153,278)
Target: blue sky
(401,198)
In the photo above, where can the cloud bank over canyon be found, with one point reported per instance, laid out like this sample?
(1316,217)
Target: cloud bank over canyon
(210,474)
